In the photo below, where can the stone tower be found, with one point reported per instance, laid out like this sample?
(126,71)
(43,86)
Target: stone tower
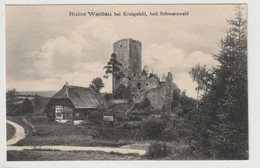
(169,93)
(129,54)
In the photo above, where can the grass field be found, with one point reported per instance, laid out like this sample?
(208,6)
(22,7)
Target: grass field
(48,155)
(10,131)
(53,133)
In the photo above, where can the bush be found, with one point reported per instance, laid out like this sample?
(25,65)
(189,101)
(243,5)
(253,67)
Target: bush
(129,125)
(158,150)
(122,92)
(13,109)
(152,128)
(108,96)
(176,129)
(128,118)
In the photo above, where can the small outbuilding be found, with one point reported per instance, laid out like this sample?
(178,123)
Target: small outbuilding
(75,103)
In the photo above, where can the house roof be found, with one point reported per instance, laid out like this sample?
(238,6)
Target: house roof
(81,97)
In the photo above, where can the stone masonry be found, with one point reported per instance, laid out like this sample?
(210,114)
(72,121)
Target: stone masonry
(129,54)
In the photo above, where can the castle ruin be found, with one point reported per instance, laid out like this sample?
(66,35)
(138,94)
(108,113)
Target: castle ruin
(129,53)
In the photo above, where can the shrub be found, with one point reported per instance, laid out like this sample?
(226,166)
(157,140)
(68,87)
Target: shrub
(157,150)
(108,96)
(13,109)
(152,128)
(129,125)
(122,92)
(176,129)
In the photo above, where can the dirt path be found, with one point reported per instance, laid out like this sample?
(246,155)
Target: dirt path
(77,148)
(19,133)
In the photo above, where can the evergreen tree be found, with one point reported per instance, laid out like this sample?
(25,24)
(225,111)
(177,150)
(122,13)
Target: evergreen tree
(225,104)
(26,107)
(113,67)
(228,93)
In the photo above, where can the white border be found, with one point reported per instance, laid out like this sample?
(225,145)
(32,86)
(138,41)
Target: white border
(253,78)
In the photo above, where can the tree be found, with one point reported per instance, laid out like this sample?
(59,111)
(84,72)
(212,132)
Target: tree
(37,100)
(225,104)
(202,76)
(97,84)
(11,95)
(229,92)
(113,67)
(26,107)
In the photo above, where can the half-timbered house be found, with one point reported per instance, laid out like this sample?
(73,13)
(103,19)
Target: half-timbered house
(74,103)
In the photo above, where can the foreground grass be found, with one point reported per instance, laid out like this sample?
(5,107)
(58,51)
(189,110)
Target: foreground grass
(48,155)
(10,131)
(53,133)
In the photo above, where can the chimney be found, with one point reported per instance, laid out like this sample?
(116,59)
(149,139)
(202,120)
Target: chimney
(66,87)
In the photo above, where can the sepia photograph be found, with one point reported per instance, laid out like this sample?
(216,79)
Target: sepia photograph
(126,82)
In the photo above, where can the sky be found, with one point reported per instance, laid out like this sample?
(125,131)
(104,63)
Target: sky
(45,47)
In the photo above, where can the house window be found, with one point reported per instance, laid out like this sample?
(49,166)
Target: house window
(70,115)
(59,109)
(76,114)
(59,112)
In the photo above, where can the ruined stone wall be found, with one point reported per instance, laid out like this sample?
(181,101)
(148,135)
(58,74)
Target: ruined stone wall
(169,92)
(144,83)
(138,96)
(129,54)
(151,83)
(157,96)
